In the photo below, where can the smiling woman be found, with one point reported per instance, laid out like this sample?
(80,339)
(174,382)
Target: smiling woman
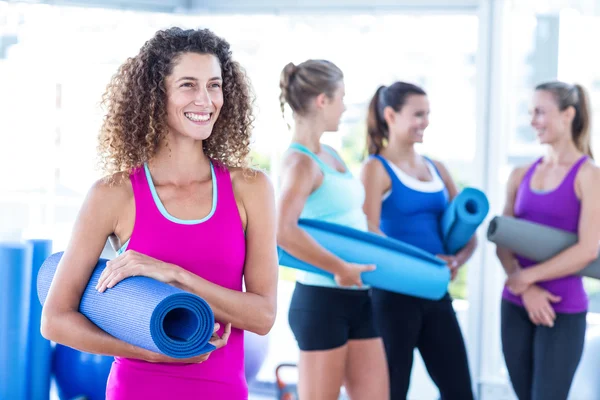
(183,208)
(175,84)
(188,104)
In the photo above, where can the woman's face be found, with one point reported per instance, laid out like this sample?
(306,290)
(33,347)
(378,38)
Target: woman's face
(550,124)
(334,109)
(194,95)
(410,122)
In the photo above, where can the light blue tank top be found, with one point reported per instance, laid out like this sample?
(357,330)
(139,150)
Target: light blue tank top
(338,200)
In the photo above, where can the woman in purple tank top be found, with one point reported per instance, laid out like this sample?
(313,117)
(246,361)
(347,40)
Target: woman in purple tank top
(183,208)
(543,304)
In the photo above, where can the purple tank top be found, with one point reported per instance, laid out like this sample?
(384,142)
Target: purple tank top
(559,208)
(213,248)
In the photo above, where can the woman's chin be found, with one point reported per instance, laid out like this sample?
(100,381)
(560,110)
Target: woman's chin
(196,134)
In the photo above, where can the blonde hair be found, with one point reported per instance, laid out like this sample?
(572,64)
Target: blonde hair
(300,83)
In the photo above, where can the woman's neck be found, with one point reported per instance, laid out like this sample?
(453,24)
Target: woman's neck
(398,152)
(308,133)
(180,160)
(563,152)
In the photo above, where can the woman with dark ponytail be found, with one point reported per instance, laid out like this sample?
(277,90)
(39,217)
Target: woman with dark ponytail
(331,318)
(406,195)
(544,305)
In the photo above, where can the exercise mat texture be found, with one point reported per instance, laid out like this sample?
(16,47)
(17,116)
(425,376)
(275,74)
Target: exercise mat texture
(534,241)
(462,218)
(143,312)
(400,267)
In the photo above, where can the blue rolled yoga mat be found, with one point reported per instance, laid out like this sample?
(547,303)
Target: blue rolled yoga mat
(401,268)
(15,287)
(143,312)
(462,218)
(39,350)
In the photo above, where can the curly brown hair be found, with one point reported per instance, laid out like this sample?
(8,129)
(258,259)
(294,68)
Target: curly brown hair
(136,97)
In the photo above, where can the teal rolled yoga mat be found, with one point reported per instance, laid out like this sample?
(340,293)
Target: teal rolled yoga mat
(462,218)
(535,241)
(401,268)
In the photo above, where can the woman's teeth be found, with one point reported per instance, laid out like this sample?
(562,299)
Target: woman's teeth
(197,117)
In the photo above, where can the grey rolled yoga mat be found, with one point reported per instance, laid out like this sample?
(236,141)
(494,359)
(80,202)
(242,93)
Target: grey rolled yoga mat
(535,241)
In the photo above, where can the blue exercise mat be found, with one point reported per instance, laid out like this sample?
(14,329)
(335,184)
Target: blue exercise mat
(401,268)
(143,312)
(39,349)
(462,218)
(15,288)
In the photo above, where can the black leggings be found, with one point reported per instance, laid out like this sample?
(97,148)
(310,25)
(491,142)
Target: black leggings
(406,323)
(541,361)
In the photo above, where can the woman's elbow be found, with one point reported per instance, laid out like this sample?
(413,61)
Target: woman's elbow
(48,325)
(590,253)
(266,322)
(284,234)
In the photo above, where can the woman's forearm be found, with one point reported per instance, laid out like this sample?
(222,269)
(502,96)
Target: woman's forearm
(244,310)
(73,329)
(567,262)
(466,252)
(374,228)
(302,246)
(507,259)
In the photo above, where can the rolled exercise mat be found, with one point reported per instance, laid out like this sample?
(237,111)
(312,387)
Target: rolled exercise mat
(462,218)
(143,312)
(534,241)
(15,287)
(401,268)
(39,349)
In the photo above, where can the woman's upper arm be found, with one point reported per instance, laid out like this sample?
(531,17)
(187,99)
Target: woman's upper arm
(376,181)
(512,186)
(298,182)
(261,265)
(589,220)
(447,178)
(95,222)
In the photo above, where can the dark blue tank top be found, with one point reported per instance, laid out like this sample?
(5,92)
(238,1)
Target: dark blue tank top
(412,211)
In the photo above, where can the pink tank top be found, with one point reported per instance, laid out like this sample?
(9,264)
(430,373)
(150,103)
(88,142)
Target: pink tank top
(213,248)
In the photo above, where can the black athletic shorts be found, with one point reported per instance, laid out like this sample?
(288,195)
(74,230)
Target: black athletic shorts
(323,318)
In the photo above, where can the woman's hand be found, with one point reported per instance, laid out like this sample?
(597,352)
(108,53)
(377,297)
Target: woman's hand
(215,340)
(452,263)
(350,274)
(132,263)
(519,281)
(537,303)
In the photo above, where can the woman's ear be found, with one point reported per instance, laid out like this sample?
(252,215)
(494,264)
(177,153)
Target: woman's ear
(389,115)
(321,100)
(569,113)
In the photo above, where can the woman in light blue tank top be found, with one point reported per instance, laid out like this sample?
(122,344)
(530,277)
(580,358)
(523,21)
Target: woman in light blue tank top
(406,196)
(331,318)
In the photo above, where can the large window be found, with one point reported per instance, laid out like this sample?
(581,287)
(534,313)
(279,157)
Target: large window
(541,41)
(56,61)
